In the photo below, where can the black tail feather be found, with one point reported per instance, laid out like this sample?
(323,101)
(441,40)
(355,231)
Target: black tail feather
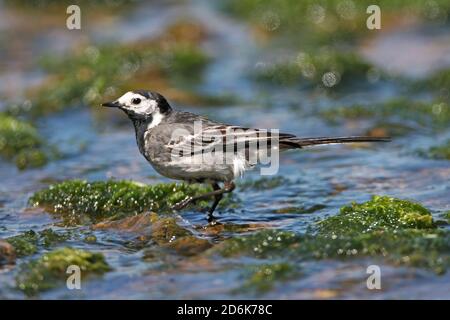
(303,142)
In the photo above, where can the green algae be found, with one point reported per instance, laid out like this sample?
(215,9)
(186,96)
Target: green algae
(49,271)
(399,231)
(27,243)
(329,70)
(437,82)
(439,152)
(261,244)
(381,213)
(24,244)
(410,247)
(262,278)
(21,143)
(79,201)
(435,115)
(329,21)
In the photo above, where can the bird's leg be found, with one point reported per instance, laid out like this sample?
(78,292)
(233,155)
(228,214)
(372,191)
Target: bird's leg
(217,193)
(217,197)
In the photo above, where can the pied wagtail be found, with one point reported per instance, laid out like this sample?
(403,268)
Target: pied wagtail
(174,156)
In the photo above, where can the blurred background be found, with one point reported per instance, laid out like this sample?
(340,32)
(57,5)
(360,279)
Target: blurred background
(311,68)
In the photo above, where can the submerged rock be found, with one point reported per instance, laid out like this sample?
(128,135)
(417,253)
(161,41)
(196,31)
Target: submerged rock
(49,271)
(263,277)
(394,112)
(439,152)
(7,254)
(189,245)
(79,201)
(399,231)
(162,230)
(27,243)
(166,230)
(21,143)
(265,183)
(137,224)
(330,70)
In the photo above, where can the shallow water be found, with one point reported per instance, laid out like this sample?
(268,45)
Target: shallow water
(95,148)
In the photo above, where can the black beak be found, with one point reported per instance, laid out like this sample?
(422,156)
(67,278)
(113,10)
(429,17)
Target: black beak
(113,104)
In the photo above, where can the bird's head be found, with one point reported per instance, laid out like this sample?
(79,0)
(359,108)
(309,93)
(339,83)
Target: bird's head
(142,105)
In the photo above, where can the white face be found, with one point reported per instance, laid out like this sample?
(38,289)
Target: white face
(137,103)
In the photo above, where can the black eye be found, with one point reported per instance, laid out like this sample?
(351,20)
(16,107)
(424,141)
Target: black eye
(136,101)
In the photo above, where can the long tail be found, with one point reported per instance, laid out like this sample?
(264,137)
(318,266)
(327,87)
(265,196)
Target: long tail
(303,142)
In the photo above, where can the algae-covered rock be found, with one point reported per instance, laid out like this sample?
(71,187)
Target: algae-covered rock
(398,231)
(312,23)
(24,244)
(262,244)
(438,81)
(49,271)
(331,70)
(162,230)
(381,213)
(136,224)
(7,253)
(189,245)
(27,243)
(263,277)
(21,143)
(435,114)
(77,200)
(165,230)
(439,152)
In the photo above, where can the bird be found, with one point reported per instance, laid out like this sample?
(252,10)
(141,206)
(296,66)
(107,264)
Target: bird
(189,147)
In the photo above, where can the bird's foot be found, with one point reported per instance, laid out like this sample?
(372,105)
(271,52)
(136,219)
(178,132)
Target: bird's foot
(182,204)
(212,220)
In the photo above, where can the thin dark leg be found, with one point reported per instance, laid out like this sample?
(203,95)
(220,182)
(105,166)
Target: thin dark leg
(217,199)
(217,194)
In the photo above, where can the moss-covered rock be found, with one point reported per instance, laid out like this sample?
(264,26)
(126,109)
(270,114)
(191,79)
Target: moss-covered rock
(434,115)
(49,271)
(438,82)
(399,231)
(439,152)
(331,70)
(312,23)
(189,245)
(381,213)
(21,143)
(261,244)
(27,243)
(83,202)
(262,278)
(166,230)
